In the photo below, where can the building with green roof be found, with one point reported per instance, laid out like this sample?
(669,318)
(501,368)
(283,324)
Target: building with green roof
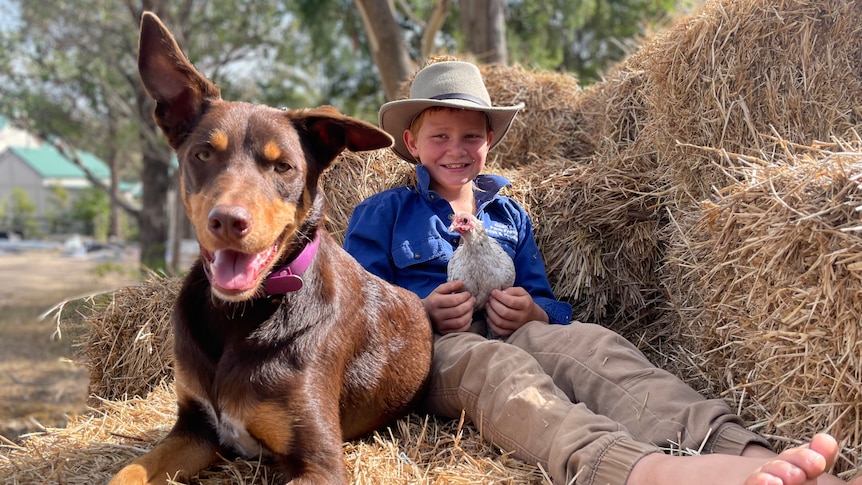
(38,170)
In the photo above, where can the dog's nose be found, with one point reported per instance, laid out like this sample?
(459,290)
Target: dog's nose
(229,221)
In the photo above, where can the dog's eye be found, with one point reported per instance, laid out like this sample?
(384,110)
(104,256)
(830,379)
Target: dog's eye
(281,167)
(204,155)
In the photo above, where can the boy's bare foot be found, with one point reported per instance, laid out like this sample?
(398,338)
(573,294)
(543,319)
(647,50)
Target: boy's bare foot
(796,465)
(803,465)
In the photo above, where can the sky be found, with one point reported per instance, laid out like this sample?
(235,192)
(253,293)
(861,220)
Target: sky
(9,14)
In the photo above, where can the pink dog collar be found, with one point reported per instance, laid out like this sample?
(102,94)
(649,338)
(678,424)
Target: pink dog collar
(285,279)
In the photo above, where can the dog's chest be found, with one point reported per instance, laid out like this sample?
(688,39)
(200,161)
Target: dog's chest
(228,398)
(259,352)
(233,434)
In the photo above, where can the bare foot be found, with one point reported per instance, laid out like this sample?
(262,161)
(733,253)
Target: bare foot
(803,465)
(796,465)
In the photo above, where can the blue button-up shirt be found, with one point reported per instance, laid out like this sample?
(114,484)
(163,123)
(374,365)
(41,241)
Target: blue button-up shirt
(402,235)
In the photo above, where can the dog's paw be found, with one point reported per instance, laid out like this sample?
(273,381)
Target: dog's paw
(133,474)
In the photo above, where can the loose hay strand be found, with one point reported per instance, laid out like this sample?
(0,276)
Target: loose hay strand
(92,448)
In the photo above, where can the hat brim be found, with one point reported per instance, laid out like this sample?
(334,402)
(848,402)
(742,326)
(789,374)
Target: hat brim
(396,116)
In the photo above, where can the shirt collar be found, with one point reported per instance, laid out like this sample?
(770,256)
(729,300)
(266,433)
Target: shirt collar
(488,185)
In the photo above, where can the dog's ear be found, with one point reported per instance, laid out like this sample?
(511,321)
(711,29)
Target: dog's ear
(179,90)
(328,132)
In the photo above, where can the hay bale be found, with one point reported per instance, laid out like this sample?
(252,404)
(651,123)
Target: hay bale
(765,287)
(739,70)
(128,347)
(578,212)
(415,449)
(354,177)
(547,128)
(733,76)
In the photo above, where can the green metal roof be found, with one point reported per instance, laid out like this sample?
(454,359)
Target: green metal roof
(50,163)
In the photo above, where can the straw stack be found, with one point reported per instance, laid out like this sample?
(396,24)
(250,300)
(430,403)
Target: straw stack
(766,284)
(128,347)
(415,449)
(737,71)
(547,127)
(731,77)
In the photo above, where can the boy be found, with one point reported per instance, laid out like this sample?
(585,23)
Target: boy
(577,399)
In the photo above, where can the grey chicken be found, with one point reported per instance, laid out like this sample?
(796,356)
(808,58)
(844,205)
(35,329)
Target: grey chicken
(479,260)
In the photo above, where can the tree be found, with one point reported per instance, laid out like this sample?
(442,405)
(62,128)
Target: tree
(73,73)
(56,212)
(70,67)
(386,43)
(483,23)
(583,37)
(91,209)
(21,209)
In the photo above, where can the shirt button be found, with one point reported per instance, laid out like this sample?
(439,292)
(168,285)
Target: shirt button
(416,255)
(451,216)
(432,196)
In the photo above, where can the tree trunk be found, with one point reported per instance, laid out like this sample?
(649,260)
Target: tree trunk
(484,24)
(387,44)
(115,229)
(153,220)
(156,182)
(114,226)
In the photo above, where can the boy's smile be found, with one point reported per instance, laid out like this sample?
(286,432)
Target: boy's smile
(452,144)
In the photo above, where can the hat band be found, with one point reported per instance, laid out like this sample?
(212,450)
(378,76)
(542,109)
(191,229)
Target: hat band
(461,96)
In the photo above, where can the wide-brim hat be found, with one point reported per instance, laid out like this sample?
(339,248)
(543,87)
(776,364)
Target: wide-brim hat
(451,84)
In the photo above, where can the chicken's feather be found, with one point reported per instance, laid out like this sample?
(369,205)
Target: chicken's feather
(479,260)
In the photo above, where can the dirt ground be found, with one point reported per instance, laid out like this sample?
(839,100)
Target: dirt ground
(41,383)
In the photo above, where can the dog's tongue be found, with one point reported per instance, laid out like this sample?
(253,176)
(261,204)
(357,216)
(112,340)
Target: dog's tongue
(233,270)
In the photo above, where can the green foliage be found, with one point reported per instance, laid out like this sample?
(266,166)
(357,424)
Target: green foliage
(56,214)
(583,37)
(69,67)
(92,209)
(343,73)
(21,211)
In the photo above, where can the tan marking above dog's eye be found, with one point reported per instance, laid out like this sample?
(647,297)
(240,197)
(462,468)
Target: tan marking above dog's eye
(271,151)
(219,140)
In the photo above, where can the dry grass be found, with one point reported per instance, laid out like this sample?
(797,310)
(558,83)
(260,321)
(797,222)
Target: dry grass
(129,346)
(766,284)
(415,449)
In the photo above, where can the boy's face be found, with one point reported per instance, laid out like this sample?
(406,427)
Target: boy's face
(451,143)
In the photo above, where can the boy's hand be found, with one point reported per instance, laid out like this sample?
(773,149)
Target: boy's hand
(450,309)
(508,310)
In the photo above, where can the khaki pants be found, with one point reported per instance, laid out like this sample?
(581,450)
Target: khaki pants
(578,399)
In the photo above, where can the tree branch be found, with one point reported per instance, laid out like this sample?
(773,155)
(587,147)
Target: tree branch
(71,154)
(438,16)
(408,12)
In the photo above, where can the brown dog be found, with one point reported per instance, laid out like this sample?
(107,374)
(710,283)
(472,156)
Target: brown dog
(284,345)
